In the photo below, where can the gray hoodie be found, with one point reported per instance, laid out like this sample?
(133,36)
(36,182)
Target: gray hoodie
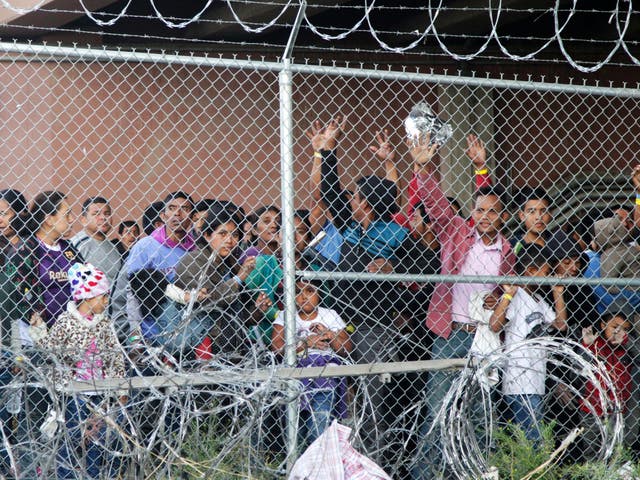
(618,257)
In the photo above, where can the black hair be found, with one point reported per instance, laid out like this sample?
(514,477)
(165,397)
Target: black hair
(585,221)
(624,207)
(252,218)
(150,216)
(15,199)
(608,315)
(265,208)
(304,215)
(216,216)
(380,194)
(495,191)
(527,194)
(18,204)
(45,204)
(579,223)
(90,201)
(178,194)
(423,213)
(262,210)
(205,204)
(127,224)
(236,210)
(454,203)
(531,255)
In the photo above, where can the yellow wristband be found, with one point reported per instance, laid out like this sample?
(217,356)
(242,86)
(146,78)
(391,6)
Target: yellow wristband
(637,200)
(484,171)
(317,155)
(507,296)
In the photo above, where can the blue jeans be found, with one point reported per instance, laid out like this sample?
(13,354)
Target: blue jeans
(318,416)
(90,455)
(180,335)
(429,457)
(526,411)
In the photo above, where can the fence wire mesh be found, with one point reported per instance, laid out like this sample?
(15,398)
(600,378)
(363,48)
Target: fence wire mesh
(516,239)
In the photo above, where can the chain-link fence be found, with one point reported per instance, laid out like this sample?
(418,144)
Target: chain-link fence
(200,187)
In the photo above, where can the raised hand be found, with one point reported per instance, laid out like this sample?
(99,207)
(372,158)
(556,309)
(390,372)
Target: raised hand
(263,302)
(333,132)
(476,151)
(326,138)
(384,149)
(422,151)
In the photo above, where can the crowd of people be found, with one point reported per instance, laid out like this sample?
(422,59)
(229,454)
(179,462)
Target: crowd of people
(204,278)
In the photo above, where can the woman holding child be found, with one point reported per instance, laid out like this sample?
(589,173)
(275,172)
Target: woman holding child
(206,285)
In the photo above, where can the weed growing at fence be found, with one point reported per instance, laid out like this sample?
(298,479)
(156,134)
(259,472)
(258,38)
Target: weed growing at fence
(208,451)
(516,458)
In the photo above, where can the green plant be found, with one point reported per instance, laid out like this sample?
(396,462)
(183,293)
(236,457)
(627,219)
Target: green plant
(621,461)
(209,453)
(517,457)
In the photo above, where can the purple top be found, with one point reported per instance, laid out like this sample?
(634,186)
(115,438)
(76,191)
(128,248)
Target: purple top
(158,252)
(187,243)
(249,252)
(337,384)
(52,275)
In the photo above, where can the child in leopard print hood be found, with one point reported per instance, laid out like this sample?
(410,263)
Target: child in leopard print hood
(85,343)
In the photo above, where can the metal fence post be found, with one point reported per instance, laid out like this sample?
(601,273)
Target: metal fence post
(288,228)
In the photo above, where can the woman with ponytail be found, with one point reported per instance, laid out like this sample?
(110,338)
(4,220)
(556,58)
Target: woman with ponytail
(45,258)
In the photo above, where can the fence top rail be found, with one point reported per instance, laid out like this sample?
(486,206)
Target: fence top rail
(119,55)
(495,279)
(210,378)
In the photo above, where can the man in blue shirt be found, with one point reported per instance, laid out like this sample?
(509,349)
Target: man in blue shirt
(154,258)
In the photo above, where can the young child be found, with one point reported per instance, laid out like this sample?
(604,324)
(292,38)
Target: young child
(523,314)
(609,346)
(84,341)
(322,340)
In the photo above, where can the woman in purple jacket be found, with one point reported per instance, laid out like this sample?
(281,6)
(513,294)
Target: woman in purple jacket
(45,258)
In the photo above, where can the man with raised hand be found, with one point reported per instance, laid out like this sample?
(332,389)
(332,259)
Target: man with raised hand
(468,250)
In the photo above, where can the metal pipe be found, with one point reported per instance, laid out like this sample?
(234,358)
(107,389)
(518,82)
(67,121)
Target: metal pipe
(54,53)
(622,283)
(218,376)
(288,230)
